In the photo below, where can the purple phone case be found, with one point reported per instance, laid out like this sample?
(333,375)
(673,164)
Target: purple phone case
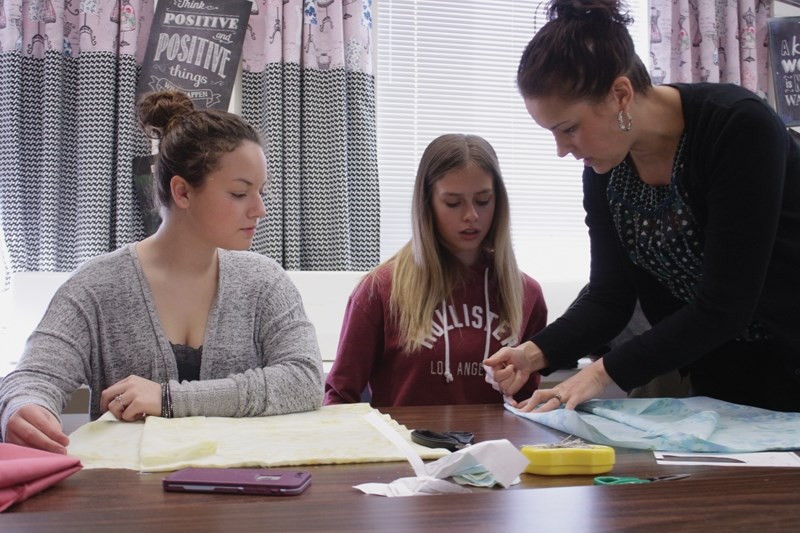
(238,481)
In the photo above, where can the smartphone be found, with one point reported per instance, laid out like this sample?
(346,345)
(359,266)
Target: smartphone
(238,481)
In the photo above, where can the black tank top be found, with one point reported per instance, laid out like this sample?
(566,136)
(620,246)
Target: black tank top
(188,360)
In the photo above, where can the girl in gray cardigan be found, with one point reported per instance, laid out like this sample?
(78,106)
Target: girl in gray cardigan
(185,322)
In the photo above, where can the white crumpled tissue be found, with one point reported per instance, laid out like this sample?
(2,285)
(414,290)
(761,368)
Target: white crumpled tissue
(482,465)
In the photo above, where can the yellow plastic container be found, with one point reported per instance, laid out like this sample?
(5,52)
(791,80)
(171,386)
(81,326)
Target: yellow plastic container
(591,460)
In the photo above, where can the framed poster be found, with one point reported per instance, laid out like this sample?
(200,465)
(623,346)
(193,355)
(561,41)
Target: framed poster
(784,55)
(195,46)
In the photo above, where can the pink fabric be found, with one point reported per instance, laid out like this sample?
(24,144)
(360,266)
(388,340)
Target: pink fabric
(26,471)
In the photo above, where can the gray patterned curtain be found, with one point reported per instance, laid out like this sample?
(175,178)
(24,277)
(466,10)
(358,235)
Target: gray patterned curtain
(68,75)
(308,85)
(4,262)
(710,40)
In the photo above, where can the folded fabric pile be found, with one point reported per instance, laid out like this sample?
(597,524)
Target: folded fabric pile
(26,471)
(697,424)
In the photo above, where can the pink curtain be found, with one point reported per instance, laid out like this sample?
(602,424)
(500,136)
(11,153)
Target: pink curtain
(68,73)
(710,40)
(34,27)
(307,83)
(318,34)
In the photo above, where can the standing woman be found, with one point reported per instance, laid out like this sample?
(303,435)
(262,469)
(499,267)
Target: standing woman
(419,326)
(185,322)
(692,198)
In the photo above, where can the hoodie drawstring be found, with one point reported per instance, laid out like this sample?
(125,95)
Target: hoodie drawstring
(448,376)
(487,316)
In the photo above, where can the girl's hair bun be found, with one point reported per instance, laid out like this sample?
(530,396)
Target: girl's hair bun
(158,111)
(591,11)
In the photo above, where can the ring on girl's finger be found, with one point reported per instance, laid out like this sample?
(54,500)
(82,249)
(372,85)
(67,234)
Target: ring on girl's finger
(119,399)
(558,397)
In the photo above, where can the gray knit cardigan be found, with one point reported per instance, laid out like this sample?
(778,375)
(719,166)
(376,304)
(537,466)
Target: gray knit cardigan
(260,353)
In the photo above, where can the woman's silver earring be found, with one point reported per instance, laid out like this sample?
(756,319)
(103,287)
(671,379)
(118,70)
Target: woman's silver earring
(622,117)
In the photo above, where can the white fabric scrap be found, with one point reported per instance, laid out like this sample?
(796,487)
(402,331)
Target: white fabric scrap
(483,465)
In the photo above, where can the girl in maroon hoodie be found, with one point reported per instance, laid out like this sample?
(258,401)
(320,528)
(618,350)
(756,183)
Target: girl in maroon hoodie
(418,327)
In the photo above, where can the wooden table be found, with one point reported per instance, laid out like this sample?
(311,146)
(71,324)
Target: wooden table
(714,498)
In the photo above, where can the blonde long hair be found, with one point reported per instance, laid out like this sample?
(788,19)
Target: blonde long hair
(425,272)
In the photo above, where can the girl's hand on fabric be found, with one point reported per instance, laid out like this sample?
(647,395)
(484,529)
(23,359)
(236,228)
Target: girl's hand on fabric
(511,367)
(585,385)
(36,427)
(132,398)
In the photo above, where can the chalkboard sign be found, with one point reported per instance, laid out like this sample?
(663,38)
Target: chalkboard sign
(784,46)
(195,46)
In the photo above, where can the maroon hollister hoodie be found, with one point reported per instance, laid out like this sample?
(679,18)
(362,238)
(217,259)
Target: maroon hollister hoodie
(448,368)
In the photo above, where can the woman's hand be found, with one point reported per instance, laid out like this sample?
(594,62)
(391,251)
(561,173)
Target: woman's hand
(36,427)
(585,385)
(510,368)
(132,398)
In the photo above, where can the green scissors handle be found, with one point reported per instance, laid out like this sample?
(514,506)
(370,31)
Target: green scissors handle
(616,480)
(621,480)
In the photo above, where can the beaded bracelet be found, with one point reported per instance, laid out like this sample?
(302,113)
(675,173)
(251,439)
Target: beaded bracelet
(166,401)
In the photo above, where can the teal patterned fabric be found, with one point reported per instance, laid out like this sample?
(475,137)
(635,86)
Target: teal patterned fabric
(697,424)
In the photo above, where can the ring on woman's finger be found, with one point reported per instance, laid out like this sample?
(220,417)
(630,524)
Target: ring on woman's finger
(119,399)
(558,397)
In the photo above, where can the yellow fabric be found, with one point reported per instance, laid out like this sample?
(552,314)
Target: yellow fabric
(332,435)
(107,443)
